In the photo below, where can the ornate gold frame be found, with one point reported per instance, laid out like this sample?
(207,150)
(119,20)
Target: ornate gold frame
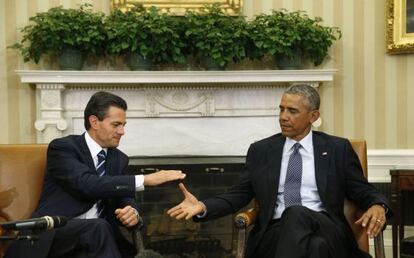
(178,7)
(398,40)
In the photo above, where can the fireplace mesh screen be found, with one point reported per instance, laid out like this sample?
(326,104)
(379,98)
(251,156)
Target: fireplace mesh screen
(206,177)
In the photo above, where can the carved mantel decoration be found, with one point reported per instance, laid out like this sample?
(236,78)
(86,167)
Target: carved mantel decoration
(171,112)
(179,7)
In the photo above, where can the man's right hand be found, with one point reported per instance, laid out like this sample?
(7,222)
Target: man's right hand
(188,208)
(163,176)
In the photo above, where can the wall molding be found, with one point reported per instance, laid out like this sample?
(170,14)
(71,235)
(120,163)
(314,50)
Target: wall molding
(380,161)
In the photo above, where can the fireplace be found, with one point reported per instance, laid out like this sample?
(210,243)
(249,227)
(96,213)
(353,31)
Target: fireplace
(206,177)
(213,114)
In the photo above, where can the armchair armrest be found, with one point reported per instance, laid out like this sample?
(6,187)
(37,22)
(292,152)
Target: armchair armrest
(137,236)
(379,245)
(3,244)
(2,231)
(244,219)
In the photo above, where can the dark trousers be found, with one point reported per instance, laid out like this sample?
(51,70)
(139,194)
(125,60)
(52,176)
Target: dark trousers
(78,238)
(91,237)
(302,233)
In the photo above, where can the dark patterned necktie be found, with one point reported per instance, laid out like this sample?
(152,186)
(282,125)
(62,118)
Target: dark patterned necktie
(100,170)
(293,178)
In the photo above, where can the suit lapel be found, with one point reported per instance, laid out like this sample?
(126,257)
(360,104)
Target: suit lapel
(86,152)
(274,157)
(110,162)
(322,155)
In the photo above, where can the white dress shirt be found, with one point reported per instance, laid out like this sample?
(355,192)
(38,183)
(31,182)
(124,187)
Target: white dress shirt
(94,149)
(308,191)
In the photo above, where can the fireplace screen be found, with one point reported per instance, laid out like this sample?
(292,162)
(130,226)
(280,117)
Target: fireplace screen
(206,176)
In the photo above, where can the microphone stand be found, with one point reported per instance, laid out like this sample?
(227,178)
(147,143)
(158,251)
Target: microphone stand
(20,237)
(30,235)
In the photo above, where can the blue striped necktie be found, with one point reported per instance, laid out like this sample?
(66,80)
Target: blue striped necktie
(100,170)
(293,180)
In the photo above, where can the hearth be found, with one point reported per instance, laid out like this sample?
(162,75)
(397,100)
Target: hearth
(206,176)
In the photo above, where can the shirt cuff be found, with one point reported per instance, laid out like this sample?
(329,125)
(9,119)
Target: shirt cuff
(204,214)
(139,183)
(385,208)
(135,211)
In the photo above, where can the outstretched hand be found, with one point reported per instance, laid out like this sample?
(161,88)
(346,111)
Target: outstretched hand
(163,176)
(373,219)
(188,208)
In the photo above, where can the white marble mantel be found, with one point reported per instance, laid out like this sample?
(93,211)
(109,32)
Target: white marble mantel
(170,77)
(171,112)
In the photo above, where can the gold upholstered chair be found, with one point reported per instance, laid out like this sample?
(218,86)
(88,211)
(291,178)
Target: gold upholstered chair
(22,168)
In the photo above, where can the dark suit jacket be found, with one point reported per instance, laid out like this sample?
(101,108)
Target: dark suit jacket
(72,186)
(338,176)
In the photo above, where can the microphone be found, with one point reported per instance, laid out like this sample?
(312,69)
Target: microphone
(45,222)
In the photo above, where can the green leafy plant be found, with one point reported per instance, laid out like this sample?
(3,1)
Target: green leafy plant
(147,32)
(213,34)
(284,33)
(52,31)
(162,38)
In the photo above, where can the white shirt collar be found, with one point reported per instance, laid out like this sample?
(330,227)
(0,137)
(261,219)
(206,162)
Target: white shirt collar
(306,143)
(93,146)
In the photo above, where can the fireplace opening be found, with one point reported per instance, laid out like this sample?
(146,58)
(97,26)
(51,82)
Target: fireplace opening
(206,177)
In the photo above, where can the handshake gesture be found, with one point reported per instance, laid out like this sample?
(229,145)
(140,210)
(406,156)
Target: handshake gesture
(188,208)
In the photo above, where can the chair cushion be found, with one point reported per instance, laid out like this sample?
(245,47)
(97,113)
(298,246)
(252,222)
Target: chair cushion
(407,246)
(22,168)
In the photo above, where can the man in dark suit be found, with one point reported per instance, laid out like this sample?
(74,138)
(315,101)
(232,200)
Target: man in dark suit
(85,181)
(300,179)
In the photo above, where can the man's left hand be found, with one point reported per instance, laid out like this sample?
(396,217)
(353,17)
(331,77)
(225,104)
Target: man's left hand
(127,215)
(373,219)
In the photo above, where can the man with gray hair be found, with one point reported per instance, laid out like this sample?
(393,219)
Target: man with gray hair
(300,179)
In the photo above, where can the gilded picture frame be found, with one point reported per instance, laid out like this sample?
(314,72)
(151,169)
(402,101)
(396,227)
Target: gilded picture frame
(400,26)
(179,7)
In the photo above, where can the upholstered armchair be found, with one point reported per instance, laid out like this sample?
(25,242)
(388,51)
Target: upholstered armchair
(22,170)
(352,213)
